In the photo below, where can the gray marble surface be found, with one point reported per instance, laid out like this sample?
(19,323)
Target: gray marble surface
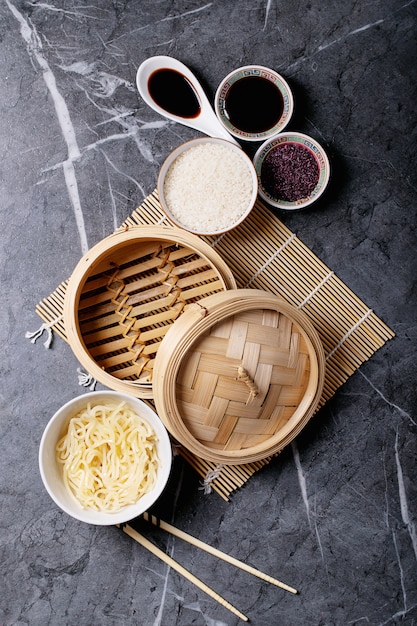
(335,515)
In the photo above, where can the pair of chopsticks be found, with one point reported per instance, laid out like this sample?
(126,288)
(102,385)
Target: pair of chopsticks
(134,534)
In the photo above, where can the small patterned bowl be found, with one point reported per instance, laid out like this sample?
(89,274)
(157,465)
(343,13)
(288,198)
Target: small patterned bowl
(254,103)
(293,170)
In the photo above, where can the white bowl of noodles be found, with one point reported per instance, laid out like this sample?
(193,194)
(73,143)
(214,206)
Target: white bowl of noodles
(105,457)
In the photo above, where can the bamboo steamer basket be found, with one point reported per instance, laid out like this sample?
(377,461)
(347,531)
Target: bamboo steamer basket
(127,291)
(238,376)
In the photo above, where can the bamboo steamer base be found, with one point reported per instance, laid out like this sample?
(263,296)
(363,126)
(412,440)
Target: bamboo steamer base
(238,376)
(127,291)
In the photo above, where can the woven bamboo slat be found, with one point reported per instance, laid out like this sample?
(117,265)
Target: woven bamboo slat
(264,254)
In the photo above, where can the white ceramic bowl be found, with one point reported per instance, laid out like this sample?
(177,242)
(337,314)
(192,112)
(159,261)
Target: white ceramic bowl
(292,179)
(210,177)
(254,102)
(51,472)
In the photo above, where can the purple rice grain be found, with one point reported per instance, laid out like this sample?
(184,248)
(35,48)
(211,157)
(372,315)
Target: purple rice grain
(289,172)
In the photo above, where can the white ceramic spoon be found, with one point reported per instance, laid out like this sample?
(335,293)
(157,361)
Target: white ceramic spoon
(205,121)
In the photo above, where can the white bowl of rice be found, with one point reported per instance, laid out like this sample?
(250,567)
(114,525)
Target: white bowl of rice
(105,457)
(207,186)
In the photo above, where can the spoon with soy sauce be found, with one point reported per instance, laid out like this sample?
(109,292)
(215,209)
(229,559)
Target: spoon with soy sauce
(172,90)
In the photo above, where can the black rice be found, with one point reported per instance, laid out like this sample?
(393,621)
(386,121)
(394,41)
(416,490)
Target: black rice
(289,172)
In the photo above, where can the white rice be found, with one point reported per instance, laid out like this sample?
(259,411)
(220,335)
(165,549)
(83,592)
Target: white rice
(208,188)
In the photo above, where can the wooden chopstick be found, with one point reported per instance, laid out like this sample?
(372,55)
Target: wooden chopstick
(180,569)
(215,552)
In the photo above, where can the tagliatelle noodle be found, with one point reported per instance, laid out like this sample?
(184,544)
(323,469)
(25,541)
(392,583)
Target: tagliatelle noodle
(108,456)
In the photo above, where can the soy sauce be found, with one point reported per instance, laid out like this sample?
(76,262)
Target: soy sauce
(173,92)
(254,104)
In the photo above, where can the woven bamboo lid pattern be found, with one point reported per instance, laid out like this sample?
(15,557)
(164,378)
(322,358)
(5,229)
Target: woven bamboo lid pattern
(127,291)
(239,376)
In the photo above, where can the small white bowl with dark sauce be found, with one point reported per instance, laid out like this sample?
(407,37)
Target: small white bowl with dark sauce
(254,103)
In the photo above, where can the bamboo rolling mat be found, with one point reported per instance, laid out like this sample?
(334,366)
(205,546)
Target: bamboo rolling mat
(263,253)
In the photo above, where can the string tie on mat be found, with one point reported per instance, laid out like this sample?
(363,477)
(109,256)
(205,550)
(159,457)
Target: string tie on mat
(86,380)
(271,259)
(315,290)
(210,476)
(46,326)
(349,333)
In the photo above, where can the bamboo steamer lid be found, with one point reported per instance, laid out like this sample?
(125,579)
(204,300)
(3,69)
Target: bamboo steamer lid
(238,376)
(127,291)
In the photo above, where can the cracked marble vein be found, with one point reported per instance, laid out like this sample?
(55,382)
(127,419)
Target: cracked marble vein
(105,84)
(54,9)
(301,479)
(404,501)
(34,48)
(342,38)
(391,404)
